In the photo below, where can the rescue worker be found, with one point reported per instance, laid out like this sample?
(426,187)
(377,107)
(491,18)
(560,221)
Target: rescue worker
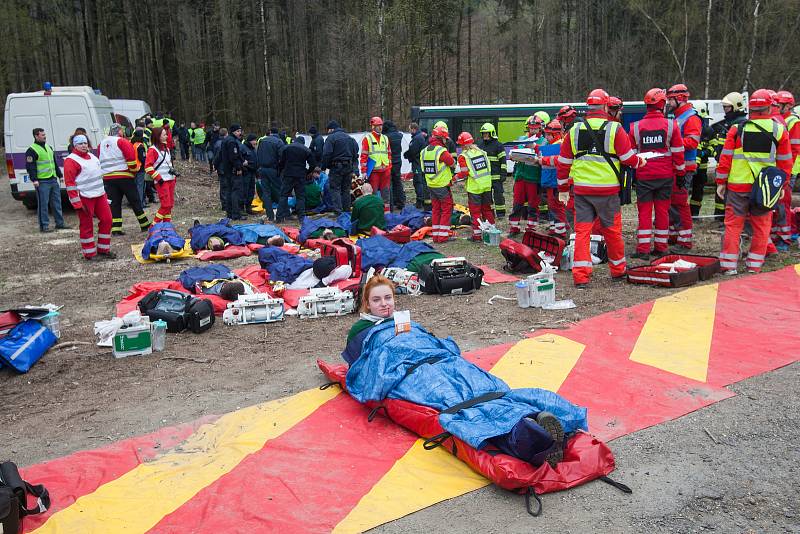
(450,145)
(497,159)
(118,161)
(375,147)
(782,218)
(43,172)
(475,166)
(398,196)
(339,155)
(701,176)
(268,157)
(543,212)
(525,199)
(584,165)
(198,139)
(138,172)
(654,183)
(436,162)
(159,166)
(417,144)
(734,108)
(691,129)
(549,181)
(746,152)
(615,108)
(566,116)
(296,162)
(231,169)
(83,178)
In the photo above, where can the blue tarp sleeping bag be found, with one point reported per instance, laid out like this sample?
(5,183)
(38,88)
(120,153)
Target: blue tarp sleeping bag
(259,233)
(190,277)
(281,265)
(163,231)
(201,232)
(379,250)
(410,216)
(309,226)
(382,372)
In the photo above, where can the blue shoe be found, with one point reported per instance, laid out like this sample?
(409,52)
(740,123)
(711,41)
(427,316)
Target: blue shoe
(782,246)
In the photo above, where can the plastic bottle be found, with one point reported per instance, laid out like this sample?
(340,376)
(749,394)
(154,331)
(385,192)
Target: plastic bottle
(523,297)
(159,335)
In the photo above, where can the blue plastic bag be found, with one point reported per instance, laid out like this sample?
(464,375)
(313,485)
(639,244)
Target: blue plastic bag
(25,345)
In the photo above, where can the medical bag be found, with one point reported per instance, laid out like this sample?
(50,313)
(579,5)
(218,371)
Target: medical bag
(449,276)
(342,249)
(25,344)
(179,310)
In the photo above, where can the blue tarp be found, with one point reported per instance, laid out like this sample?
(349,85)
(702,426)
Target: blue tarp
(201,232)
(380,250)
(308,225)
(380,373)
(259,233)
(410,216)
(163,231)
(215,271)
(282,265)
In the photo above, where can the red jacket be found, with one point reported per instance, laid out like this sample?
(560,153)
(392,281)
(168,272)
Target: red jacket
(656,133)
(365,151)
(446,157)
(783,156)
(794,137)
(622,147)
(692,129)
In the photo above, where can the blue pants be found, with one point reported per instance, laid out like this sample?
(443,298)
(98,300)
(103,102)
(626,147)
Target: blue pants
(49,194)
(199,152)
(139,181)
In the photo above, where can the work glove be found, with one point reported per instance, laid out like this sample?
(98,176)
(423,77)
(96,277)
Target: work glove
(563,197)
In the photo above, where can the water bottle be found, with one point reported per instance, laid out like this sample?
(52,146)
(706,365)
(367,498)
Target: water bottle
(523,297)
(159,335)
(53,323)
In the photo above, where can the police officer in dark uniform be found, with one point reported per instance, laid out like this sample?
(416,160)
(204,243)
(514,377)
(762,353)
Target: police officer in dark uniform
(268,156)
(296,162)
(340,157)
(232,162)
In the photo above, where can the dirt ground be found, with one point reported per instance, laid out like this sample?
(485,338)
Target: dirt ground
(81,397)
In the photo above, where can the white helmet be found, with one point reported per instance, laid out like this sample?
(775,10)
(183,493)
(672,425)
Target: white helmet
(735,100)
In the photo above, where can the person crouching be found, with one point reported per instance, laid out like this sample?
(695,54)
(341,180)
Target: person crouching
(474,165)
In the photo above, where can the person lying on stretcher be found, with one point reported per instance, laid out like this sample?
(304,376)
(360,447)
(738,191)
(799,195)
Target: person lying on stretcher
(475,406)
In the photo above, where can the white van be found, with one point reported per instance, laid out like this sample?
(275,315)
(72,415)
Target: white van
(132,109)
(59,111)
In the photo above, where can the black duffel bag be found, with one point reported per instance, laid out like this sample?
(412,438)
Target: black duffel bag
(179,310)
(449,276)
(13,498)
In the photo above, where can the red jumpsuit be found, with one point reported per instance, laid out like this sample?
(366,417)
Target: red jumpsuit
(480,204)
(84,183)
(737,202)
(681,227)
(379,179)
(550,164)
(158,165)
(655,181)
(594,201)
(783,224)
(441,199)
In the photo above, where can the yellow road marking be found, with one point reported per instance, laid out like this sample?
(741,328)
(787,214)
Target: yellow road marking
(677,335)
(139,499)
(422,478)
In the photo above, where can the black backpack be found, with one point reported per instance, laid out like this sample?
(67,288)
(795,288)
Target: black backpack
(13,498)
(179,310)
(450,278)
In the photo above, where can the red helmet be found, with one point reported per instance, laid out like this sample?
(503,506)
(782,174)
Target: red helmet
(614,102)
(597,97)
(376,121)
(760,98)
(566,114)
(554,126)
(440,132)
(785,97)
(655,97)
(464,138)
(679,92)
(773,95)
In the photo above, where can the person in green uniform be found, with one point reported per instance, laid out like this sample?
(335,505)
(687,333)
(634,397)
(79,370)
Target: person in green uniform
(368,212)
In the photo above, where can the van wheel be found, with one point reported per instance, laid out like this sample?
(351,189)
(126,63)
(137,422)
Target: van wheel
(30,202)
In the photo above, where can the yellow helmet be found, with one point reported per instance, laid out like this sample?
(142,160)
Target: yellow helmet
(488,127)
(442,124)
(735,100)
(543,115)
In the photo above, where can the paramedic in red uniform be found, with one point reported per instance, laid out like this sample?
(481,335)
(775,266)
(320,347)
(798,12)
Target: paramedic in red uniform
(782,219)
(747,150)
(436,162)
(596,184)
(159,166)
(375,146)
(691,126)
(83,178)
(656,133)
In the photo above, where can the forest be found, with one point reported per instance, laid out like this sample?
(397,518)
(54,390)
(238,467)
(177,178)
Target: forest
(300,62)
